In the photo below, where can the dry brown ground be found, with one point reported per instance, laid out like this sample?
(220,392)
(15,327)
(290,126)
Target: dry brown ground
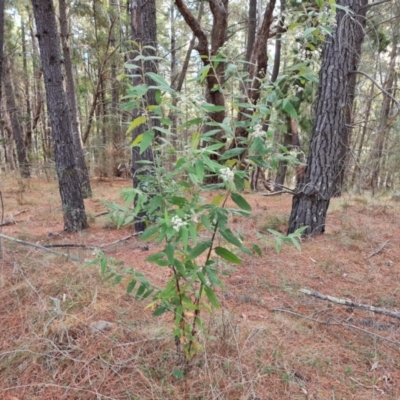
(269,341)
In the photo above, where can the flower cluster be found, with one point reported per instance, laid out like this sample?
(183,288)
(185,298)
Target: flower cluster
(177,222)
(226,174)
(258,131)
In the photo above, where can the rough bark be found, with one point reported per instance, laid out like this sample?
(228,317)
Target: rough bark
(72,102)
(15,118)
(251,28)
(334,103)
(2,3)
(144,32)
(57,105)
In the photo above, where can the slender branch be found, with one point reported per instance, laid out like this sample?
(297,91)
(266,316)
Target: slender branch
(38,246)
(374,4)
(194,24)
(381,247)
(377,85)
(349,303)
(328,323)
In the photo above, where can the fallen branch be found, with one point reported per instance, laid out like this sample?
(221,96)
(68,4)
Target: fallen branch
(329,323)
(38,246)
(381,247)
(92,247)
(8,222)
(121,240)
(101,213)
(350,303)
(85,246)
(275,193)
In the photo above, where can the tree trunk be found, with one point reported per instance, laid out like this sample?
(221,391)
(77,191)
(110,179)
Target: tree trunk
(215,76)
(28,136)
(252,28)
(334,103)
(15,118)
(256,69)
(357,169)
(144,32)
(377,150)
(57,105)
(72,103)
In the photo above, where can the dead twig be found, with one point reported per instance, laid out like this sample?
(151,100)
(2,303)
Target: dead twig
(7,223)
(329,323)
(349,303)
(38,246)
(373,387)
(85,246)
(89,246)
(121,240)
(101,213)
(381,247)
(275,193)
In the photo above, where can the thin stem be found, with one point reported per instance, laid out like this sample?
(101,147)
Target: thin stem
(197,301)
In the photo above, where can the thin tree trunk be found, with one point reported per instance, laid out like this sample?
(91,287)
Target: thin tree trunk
(15,122)
(143,32)
(357,169)
(377,150)
(256,69)
(28,137)
(72,102)
(251,28)
(67,173)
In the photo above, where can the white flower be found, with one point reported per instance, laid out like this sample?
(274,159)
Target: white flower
(226,174)
(177,222)
(258,131)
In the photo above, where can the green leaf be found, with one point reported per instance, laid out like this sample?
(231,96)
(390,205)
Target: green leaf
(257,249)
(287,106)
(158,96)
(212,108)
(146,141)
(169,251)
(136,123)
(150,233)
(195,121)
(227,255)
(296,243)
(184,236)
(159,80)
(159,311)
(240,202)
(155,257)
(199,249)
(199,170)
(178,373)
(211,296)
(131,286)
(232,153)
(137,140)
(229,236)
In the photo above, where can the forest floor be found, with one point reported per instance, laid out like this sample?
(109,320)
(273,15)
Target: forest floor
(268,341)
